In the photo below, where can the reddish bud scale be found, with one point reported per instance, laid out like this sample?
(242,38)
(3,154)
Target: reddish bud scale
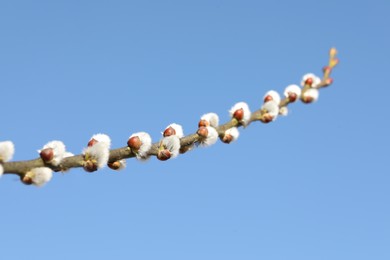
(327,69)
(203,123)
(227,139)
(134,143)
(169,131)
(292,97)
(47,154)
(307,99)
(268,98)
(92,142)
(239,114)
(114,165)
(89,166)
(328,81)
(26,180)
(309,81)
(163,155)
(267,118)
(203,132)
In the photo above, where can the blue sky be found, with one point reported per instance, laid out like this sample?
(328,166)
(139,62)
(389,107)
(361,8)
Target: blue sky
(312,185)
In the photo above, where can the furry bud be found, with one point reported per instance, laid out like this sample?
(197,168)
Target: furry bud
(230,135)
(240,111)
(272,95)
(310,96)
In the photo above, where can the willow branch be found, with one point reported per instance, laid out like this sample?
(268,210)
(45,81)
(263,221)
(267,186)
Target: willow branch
(187,142)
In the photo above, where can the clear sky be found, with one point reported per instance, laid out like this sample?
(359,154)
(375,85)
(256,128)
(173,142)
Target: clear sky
(312,185)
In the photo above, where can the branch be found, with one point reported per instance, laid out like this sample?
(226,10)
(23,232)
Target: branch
(97,154)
